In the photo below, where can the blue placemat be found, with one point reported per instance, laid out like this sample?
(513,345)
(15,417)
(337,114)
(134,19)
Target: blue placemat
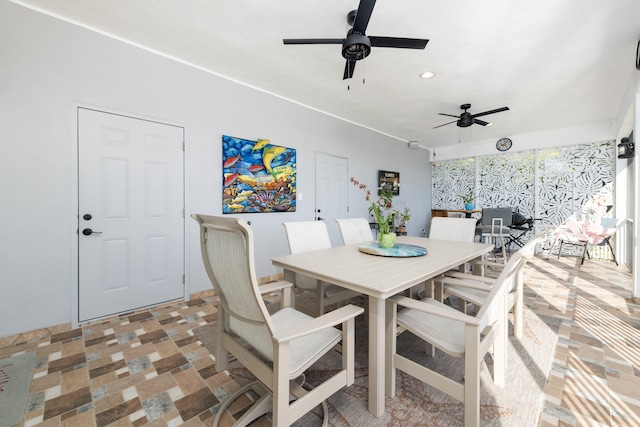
(398,250)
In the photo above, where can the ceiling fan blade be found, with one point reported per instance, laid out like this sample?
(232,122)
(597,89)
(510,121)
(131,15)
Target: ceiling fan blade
(497,110)
(349,67)
(480,122)
(445,124)
(363,15)
(449,115)
(400,42)
(312,41)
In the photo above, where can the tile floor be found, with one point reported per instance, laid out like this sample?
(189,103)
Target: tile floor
(148,368)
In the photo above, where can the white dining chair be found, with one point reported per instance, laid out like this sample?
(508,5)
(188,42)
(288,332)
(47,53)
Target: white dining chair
(305,236)
(276,348)
(354,230)
(450,228)
(455,229)
(475,289)
(457,334)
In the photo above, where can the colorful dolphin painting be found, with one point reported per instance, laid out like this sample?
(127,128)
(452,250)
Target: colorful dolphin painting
(257,176)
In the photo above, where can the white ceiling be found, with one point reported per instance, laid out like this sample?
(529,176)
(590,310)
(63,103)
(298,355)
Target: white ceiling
(554,63)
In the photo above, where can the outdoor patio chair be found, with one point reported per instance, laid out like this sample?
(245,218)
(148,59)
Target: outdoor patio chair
(457,334)
(305,236)
(276,348)
(475,289)
(354,230)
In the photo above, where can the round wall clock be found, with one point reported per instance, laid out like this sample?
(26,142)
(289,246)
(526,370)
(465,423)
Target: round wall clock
(504,144)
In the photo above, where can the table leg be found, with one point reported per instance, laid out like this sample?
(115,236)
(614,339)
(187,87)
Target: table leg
(290,297)
(376,355)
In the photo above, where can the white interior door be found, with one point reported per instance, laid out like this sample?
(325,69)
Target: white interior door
(131,213)
(332,185)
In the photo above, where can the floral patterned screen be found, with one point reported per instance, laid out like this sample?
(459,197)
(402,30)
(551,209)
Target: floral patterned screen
(548,184)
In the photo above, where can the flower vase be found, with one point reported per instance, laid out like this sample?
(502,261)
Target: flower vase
(469,206)
(387,240)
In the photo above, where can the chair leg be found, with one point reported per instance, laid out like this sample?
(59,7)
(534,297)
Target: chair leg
(259,408)
(613,254)
(559,249)
(518,307)
(472,363)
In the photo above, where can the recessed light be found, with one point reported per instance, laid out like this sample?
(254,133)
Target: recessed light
(427,75)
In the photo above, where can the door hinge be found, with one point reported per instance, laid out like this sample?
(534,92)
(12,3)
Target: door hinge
(184,214)
(184,146)
(183,279)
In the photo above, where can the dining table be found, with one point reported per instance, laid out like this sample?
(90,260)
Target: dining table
(379,275)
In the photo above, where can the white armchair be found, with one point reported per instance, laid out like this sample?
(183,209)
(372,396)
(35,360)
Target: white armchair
(305,236)
(457,334)
(475,289)
(276,348)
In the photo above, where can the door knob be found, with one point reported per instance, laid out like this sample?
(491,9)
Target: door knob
(86,217)
(89,232)
(320,219)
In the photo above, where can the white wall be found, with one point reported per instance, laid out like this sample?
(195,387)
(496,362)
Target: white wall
(49,66)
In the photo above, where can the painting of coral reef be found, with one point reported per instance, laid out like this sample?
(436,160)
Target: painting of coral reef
(257,176)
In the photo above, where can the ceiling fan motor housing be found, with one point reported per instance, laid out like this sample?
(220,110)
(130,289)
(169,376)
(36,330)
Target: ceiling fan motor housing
(356,47)
(466,120)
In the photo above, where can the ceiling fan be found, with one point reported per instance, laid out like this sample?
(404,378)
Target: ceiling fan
(357,45)
(466,119)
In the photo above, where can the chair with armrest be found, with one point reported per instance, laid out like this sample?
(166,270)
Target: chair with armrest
(457,334)
(276,348)
(586,235)
(475,289)
(354,230)
(449,228)
(305,236)
(589,235)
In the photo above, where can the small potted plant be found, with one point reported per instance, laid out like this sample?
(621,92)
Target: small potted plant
(468,201)
(404,217)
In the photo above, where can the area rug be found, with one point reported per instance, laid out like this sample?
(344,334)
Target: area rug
(15,379)
(517,404)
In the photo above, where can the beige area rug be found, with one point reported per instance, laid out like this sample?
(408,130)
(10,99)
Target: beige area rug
(416,404)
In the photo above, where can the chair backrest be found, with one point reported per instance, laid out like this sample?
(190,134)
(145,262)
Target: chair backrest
(305,236)
(507,280)
(227,252)
(488,214)
(456,229)
(526,252)
(354,230)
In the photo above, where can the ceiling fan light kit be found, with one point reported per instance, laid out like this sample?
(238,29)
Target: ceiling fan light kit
(357,45)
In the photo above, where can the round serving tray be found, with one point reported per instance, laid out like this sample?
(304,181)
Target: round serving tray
(398,250)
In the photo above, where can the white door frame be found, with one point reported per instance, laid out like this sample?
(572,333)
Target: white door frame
(75,223)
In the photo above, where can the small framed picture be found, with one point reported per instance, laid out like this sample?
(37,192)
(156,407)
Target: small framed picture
(389,181)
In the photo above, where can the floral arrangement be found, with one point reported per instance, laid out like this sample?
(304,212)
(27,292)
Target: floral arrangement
(382,208)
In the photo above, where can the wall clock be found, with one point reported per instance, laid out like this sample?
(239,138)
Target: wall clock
(503,144)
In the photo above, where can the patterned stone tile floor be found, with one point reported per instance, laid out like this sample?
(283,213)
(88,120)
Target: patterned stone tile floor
(148,368)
